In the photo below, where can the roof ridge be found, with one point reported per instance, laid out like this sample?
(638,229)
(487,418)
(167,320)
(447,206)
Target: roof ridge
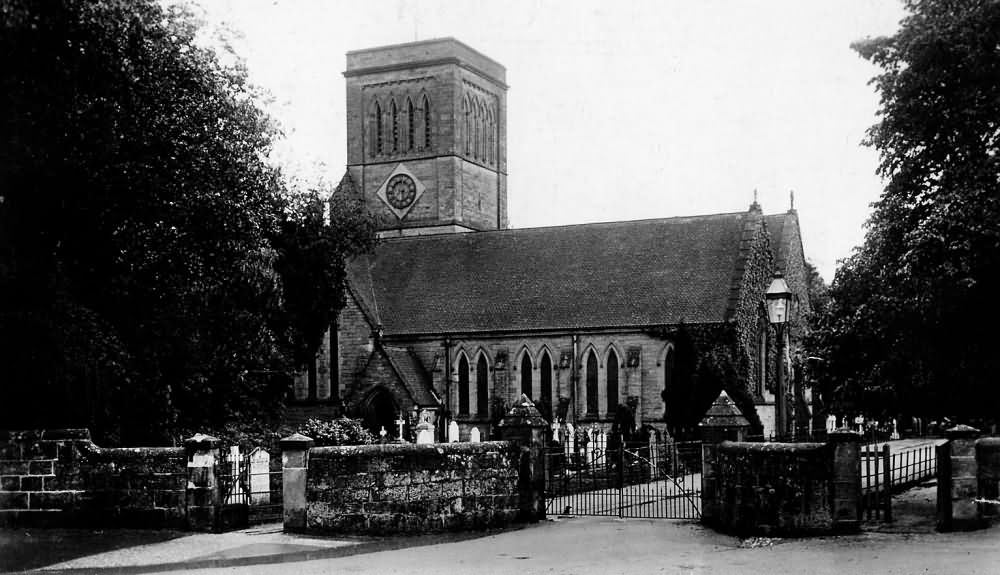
(560,226)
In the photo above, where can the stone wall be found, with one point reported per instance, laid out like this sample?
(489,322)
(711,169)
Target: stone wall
(781,488)
(60,478)
(382,489)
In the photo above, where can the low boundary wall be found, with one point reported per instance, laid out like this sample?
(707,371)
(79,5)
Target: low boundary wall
(381,489)
(60,478)
(782,488)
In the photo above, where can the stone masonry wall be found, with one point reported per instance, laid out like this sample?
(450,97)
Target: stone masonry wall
(769,488)
(60,478)
(643,381)
(402,488)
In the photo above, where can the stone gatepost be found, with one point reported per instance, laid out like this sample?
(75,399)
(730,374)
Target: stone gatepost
(294,472)
(846,497)
(204,495)
(526,427)
(988,462)
(958,480)
(711,507)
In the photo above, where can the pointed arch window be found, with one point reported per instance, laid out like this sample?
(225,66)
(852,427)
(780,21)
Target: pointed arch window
(482,387)
(592,383)
(491,137)
(526,382)
(611,369)
(463,385)
(379,143)
(427,123)
(394,112)
(545,377)
(475,130)
(482,132)
(411,123)
(467,110)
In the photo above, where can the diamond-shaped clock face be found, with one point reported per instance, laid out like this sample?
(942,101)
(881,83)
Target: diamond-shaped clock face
(400,191)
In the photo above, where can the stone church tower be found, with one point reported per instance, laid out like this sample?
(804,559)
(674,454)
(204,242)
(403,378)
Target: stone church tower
(427,137)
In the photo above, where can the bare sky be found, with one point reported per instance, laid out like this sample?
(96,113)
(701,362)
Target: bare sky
(618,110)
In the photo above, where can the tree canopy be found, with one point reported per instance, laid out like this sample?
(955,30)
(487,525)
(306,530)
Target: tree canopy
(912,323)
(147,248)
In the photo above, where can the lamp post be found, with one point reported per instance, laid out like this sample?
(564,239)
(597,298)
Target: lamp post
(779,299)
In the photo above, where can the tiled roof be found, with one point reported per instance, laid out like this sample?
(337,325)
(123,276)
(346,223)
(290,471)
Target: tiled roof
(724,413)
(359,283)
(779,242)
(620,274)
(413,375)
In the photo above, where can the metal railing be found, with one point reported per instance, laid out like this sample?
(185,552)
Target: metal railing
(884,472)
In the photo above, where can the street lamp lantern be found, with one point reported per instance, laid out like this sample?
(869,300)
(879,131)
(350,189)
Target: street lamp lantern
(779,299)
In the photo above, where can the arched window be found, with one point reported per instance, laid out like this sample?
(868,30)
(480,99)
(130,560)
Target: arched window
(482,387)
(475,130)
(467,109)
(463,385)
(592,383)
(611,369)
(526,374)
(482,132)
(395,126)
(411,124)
(491,137)
(378,129)
(427,123)
(545,367)
(668,370)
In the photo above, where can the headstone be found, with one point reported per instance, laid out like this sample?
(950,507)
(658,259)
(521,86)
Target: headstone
(453,432)
(831,423)
(591,436)
(260,476)
(425,433)
(654,452)
(570,446)
(474,435)
(400,423)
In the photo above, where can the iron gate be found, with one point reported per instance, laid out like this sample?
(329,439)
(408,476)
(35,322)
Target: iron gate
(599,474)
(252,480)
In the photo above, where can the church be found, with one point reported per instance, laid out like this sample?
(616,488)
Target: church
(453,315)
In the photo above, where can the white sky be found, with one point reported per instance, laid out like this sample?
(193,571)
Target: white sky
(618,110)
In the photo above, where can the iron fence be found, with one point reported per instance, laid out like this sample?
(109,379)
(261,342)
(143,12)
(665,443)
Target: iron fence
(884,472)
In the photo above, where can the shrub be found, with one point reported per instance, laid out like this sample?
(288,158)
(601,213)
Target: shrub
(342,431)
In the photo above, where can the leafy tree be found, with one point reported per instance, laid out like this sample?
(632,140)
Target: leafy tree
(315,238)
(141,228)
(912,324)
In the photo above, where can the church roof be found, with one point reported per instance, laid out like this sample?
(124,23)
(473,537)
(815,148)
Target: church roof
(412,373)
(618,274)
(780,238)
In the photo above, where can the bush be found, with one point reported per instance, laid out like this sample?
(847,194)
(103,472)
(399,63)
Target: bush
(342,431)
